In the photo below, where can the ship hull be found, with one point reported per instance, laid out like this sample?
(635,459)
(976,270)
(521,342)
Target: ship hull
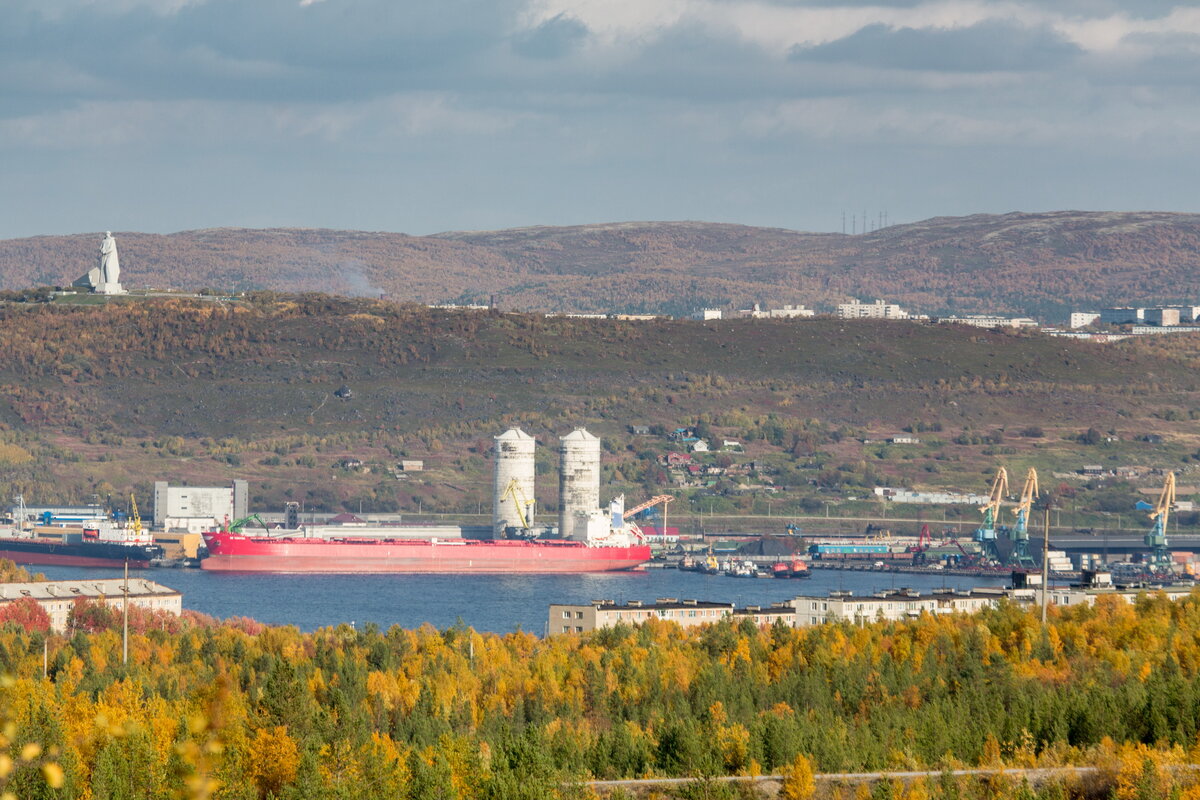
(229,553)
(46,553)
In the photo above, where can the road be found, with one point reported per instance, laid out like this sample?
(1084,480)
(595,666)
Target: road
(1032,775)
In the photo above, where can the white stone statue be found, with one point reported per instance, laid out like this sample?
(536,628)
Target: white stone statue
(105,277)
(110,265)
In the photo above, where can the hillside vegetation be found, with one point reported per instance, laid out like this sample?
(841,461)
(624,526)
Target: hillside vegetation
(104,399)
(1012,263)
(239,711)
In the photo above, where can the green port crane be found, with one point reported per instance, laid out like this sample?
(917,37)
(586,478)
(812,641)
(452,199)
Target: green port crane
(986,534)
(1020,532)
(1156,539)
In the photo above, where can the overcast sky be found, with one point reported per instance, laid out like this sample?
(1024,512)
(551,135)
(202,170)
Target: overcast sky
(165,115)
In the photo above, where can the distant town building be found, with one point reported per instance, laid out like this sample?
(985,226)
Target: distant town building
(985,321)
(876,310)
(707,314)
(1122,316)
(904,438)
(790,312)
(699,446)
(787,312)
(1188,313)
(412,465)
(57,597)
(1081,319)
(1162,317)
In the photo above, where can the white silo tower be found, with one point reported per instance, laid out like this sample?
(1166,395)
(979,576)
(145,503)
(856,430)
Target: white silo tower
(514,463)
(578,480)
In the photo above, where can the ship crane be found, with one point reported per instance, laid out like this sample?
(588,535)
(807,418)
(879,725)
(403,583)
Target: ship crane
(986,535)
(1156,539)
(236,527)
(1020,533)
(523,504)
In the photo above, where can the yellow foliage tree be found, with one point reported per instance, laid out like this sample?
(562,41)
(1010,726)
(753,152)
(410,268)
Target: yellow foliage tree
(799,783)
(274,760)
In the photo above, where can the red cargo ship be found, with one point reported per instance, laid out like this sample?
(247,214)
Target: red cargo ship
(233,552)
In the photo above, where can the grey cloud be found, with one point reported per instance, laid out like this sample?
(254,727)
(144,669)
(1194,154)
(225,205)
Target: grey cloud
(992,45)
(554,38)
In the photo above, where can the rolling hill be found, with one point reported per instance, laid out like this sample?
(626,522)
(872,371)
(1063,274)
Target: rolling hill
(1035,264)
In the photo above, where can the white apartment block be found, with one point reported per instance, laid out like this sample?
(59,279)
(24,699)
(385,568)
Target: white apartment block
(1081,319)
(876,310)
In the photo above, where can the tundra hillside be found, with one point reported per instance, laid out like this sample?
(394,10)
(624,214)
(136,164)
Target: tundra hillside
(1028,264)
(316,398)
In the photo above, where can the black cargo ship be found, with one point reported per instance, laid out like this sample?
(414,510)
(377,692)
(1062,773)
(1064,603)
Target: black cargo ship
(76,551)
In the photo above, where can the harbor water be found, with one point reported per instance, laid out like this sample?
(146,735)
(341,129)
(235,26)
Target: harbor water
(496,603)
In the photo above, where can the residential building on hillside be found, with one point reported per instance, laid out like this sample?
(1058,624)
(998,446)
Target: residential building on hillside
(1081,319)
(707,314)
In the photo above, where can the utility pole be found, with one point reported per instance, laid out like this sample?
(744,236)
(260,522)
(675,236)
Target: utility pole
(125,618)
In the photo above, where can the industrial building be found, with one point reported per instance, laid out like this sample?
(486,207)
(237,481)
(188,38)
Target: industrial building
(196,509)
(57,597)
(57,515)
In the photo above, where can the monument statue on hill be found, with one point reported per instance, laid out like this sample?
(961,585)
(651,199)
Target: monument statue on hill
(105,278)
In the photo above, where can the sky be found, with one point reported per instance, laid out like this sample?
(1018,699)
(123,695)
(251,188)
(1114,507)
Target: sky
(419,117)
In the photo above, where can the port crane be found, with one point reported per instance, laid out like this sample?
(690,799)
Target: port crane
(665,499)
(1020,532)
(135,519)
(986,534)
(523,504)
(1156,539)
